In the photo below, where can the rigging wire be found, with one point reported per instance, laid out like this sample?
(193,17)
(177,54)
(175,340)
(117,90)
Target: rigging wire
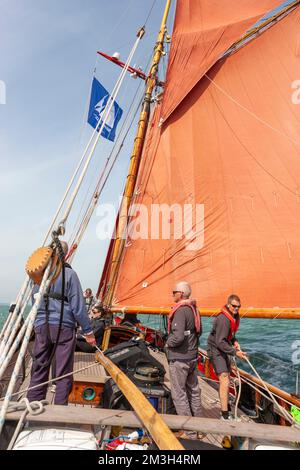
(99,128)
(10,337)
(283,410)
(20,298)
(99,188)
(47,276)
(150,11)
(25,390)
(75,192)
(91,184)
(253,385)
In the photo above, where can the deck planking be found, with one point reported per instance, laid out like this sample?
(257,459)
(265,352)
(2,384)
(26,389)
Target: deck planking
(209,395)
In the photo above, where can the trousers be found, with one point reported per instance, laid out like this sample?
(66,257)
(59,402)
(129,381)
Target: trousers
(185,389)
(64,362)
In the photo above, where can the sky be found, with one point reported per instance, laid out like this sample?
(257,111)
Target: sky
(47,60)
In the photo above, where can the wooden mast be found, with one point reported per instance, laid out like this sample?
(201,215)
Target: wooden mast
(119,242)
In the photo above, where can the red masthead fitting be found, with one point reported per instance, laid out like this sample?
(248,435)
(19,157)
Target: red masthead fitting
(116,59)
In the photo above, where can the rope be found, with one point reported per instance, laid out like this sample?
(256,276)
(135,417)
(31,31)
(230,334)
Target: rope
(237,400)
(14,313)
(107,110)
(150,11)
(33,408)
(46,282)
(12,329)
(103,180)
(285,413)
(256,387)
(249,382)
(51,380)
(6,357)
(20,298)
(30,322)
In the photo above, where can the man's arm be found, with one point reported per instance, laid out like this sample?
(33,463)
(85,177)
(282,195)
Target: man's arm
(77,304)
(176,336)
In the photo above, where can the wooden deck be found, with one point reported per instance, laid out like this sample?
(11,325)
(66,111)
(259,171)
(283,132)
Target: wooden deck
(94,374)
(209,399)
(91,418)
(209,395)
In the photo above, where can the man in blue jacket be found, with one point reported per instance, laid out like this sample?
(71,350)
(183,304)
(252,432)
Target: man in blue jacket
(46,328)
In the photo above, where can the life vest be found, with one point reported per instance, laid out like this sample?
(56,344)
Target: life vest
(234,323)
(193,306)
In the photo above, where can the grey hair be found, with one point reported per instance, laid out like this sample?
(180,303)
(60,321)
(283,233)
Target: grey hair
(185,288)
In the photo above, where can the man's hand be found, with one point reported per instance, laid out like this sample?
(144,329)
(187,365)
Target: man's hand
(241,355)
(236,345)
(90,339)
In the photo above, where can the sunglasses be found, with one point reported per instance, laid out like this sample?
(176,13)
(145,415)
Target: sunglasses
(236,307)
(176,291)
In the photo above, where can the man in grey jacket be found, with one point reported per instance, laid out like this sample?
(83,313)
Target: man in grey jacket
(184,328)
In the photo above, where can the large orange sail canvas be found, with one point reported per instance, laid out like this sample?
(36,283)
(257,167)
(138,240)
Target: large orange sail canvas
(203,30)
(233,145)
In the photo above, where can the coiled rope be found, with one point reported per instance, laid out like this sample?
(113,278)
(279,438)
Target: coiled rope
(34,408)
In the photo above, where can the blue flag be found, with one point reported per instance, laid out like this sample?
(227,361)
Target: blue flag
(99,99)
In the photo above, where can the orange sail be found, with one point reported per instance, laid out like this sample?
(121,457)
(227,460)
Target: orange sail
(233,146)
(203,30)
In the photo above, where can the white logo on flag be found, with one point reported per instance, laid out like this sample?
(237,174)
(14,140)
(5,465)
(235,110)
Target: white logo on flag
(101,112)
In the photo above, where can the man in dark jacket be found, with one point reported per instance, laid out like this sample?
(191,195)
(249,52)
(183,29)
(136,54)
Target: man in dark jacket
(184,328)
(46,327)
(223,346)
